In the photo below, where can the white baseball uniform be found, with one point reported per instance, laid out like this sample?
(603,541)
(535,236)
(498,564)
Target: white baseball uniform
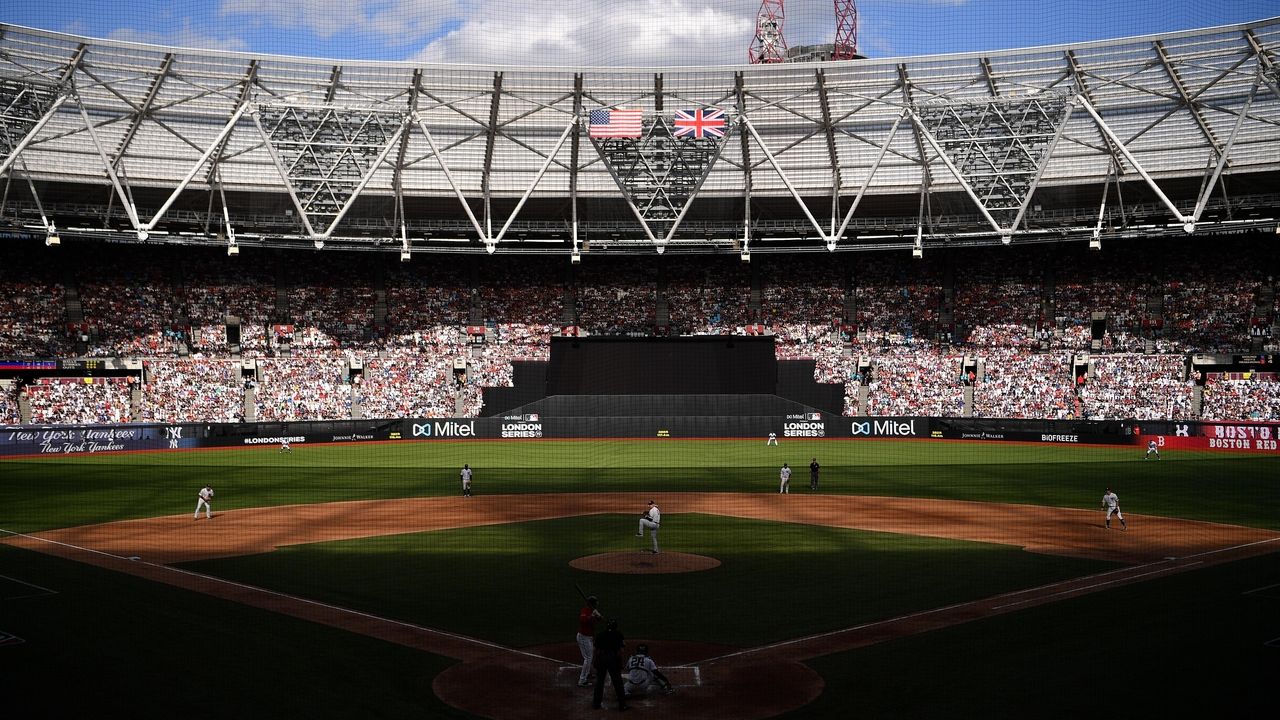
(652,519)
(640,671)
(784,478)
(466,481)
(773,439)
(1112,504)
(204,498)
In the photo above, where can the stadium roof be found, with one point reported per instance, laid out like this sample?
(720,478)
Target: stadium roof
(475,158)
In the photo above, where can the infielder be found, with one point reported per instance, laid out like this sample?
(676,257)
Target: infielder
(773,439)
(1112,505)
(204,498)
(1152,448)
(641,671)
(466,480)
(651,519)
(784,480)
(587,618)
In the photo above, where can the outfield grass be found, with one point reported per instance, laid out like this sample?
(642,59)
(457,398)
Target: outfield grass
(57,492)
(1186,646)
(105,644)
(1190,644)
(513,584)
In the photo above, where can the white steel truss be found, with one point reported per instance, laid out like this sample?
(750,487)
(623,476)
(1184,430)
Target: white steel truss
(326,155)
(659,173)
(996,148)
(1181,113)
(25,107)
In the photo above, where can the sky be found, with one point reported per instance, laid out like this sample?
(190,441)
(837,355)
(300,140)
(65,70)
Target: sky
(608,32)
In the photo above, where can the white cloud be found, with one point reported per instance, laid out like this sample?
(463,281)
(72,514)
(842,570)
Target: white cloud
(185,36)
(392,20)
(599,33)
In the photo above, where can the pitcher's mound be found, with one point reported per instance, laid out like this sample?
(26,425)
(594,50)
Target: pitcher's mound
(641,563)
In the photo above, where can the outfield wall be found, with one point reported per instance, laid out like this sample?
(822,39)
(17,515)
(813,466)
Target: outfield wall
(74,440)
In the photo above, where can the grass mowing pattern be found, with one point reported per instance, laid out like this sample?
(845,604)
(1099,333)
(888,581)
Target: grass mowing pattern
(512,583)
(59,492)
(120,646)
(1186,646)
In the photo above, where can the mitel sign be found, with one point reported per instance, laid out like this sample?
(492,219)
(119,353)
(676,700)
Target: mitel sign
(444,429)
(883,428)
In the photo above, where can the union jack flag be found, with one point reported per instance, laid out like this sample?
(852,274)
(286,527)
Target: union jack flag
(700,123)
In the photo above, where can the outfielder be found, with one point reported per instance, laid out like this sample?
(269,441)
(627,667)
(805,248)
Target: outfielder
(1152,448)
(1112,505)
(784,480)
(204,498)
(466,480)
(773,439)
(587,618)
(641,671)
(284,445)
(651,519)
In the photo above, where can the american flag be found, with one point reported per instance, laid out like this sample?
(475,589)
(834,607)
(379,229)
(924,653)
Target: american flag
(614,124)
(703,122)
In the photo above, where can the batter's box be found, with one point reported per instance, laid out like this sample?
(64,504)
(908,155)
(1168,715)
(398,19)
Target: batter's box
(15,589)
(679,675)
(1271,592)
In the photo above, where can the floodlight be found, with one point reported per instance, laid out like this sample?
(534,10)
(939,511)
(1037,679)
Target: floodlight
(51,236)
(1095,243)
(404,255)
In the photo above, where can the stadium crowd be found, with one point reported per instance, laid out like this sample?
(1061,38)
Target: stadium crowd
(80,400)
(408,323)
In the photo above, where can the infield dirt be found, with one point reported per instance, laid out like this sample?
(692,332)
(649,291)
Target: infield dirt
(740,683)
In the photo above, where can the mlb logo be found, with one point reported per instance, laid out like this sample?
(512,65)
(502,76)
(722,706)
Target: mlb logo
(815,416)
(531,417)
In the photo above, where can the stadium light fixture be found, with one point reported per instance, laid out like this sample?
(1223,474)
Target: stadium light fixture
(51,236)
(1095,243)
(319,244)
(233,250)
(917,252)
(404,255)
(143,235)
(746,255)
(576,257)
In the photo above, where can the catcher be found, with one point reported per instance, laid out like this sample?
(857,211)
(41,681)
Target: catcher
(642,671)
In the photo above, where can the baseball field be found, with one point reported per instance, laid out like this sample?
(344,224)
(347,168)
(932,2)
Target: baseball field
(921,579)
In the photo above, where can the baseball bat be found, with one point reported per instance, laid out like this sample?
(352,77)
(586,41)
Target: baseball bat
(584,595)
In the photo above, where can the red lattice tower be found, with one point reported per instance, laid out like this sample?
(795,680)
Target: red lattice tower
(768,45)
(846,44)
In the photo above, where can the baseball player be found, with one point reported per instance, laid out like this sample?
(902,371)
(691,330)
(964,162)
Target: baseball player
(784,478)
(651,519)
(1111,504)
(204,498)
(641,671)
(813,474)
(1152,448)
(588,616)
(773,439)
(284,445)
(466,480)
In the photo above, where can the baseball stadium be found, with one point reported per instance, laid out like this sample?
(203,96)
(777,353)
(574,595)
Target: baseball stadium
(823,383)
